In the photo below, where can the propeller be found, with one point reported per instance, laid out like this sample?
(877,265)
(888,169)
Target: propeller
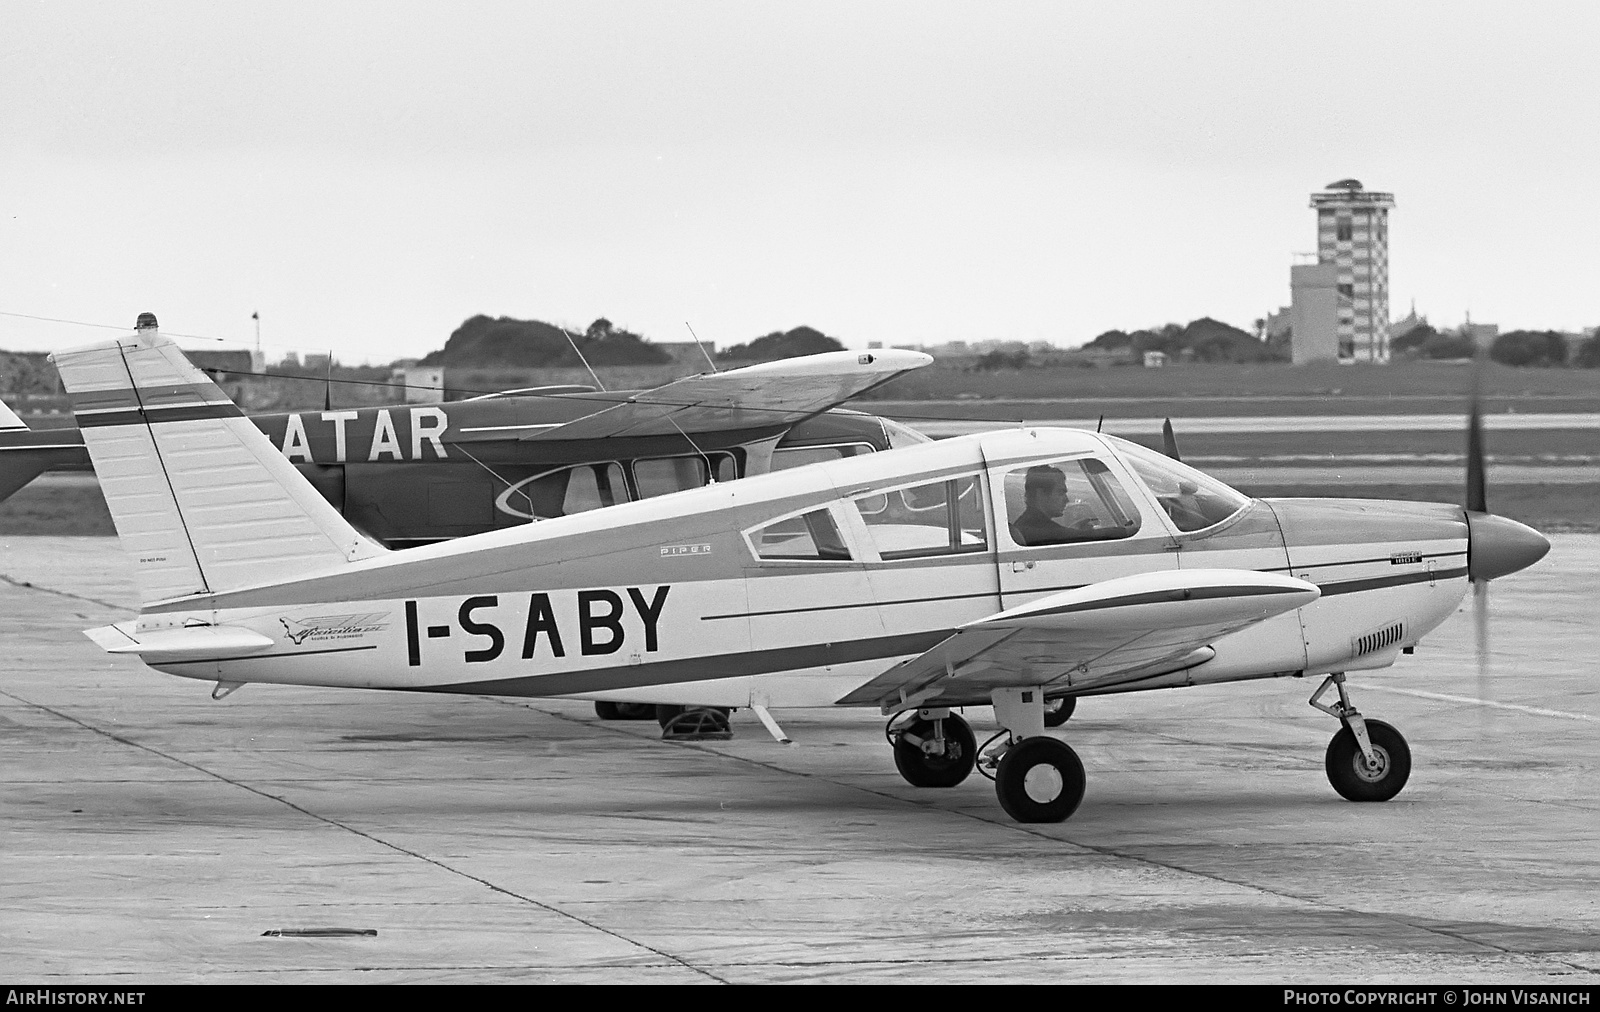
(1169,442)
(1477,501)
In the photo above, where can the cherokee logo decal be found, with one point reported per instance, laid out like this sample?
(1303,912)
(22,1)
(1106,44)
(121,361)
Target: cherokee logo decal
(333,627)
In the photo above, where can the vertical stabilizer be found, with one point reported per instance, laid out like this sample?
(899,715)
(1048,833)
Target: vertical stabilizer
(202,501)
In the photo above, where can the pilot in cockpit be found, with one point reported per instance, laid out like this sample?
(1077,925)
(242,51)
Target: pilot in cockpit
(1044,495)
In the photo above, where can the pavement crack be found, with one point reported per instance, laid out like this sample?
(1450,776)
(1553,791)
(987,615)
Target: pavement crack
(390,845)
(25,585)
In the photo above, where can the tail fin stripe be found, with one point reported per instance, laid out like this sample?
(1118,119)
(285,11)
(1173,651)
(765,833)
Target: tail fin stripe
(98,418)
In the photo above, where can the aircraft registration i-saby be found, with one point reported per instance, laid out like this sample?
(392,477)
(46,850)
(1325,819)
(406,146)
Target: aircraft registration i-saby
(1006,569)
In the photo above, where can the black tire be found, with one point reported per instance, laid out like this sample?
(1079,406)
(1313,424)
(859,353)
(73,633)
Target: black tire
(636,711)
(1040,780)
(607,711)
(1062,712)
(923,770)
(1347,768)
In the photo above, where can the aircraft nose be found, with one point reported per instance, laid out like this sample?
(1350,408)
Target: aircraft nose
(1497,546)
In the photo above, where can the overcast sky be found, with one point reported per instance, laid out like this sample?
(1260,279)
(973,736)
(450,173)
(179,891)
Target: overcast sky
(367,176)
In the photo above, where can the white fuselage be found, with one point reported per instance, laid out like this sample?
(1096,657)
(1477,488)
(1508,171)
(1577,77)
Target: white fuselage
(684,599)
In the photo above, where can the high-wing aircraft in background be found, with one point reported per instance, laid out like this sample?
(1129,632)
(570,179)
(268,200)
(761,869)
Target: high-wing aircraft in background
(413,474)
(1005,569)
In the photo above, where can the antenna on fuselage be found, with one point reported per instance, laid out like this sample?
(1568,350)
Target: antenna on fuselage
(1169,441)
(586,365)
(702,347)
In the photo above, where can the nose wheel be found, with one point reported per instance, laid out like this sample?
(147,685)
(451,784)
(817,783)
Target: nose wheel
(1358,779)
(1367,760)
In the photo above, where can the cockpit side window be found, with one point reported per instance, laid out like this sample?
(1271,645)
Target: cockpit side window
(1193,499)
(1066,502)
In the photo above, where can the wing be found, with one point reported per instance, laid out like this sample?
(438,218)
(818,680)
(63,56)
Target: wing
(768,394)
(1113,631)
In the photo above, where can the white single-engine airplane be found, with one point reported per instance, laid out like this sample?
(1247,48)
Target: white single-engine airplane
(1008,569)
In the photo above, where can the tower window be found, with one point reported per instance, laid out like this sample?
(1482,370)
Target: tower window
(1344,230)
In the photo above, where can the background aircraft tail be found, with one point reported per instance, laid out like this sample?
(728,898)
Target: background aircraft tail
(26,453)
(202,501)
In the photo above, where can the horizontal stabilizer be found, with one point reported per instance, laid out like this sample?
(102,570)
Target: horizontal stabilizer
(768,394)
(1116,630)
(185,643)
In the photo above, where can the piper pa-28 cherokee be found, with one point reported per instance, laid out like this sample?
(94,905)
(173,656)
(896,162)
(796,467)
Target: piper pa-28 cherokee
(1004,569)
(413,474)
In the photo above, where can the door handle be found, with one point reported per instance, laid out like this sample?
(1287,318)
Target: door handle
(1023,566)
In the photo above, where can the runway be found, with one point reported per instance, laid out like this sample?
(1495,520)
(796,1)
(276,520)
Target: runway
(149,834)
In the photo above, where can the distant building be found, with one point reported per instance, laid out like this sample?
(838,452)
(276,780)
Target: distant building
(1155,359)
(423,384)
(232,370)
(1400,328)
(1353,236)
(1481,335)
(1315,309)
(686,352)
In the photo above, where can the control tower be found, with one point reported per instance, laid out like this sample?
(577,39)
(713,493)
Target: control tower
(1353,235)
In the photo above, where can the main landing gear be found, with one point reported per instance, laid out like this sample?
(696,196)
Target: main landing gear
(932,747)
(1036,777)
(1367,760)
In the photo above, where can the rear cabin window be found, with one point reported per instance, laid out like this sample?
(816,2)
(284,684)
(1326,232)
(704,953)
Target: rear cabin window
(939,518)
(1067,501)
(566,490)
(809,537)
(663,475)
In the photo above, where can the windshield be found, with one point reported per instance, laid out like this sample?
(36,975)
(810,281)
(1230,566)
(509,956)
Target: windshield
(1193,499)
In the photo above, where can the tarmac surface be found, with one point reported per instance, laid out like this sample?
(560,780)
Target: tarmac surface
(149,834)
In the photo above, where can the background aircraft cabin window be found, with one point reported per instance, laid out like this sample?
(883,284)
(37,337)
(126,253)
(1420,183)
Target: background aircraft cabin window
(809,537)
(1067,502)
(591,487)
(799,456)
(939,518)
(661,475)
(902,435)
(1192,499)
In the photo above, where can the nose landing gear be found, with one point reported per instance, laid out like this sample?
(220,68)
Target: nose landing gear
(1368,760)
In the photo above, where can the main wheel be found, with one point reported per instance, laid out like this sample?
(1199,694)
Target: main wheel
(636,711)
(607,711)
(1349,773)
(1040,780)
(1057,711)
(946,769)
